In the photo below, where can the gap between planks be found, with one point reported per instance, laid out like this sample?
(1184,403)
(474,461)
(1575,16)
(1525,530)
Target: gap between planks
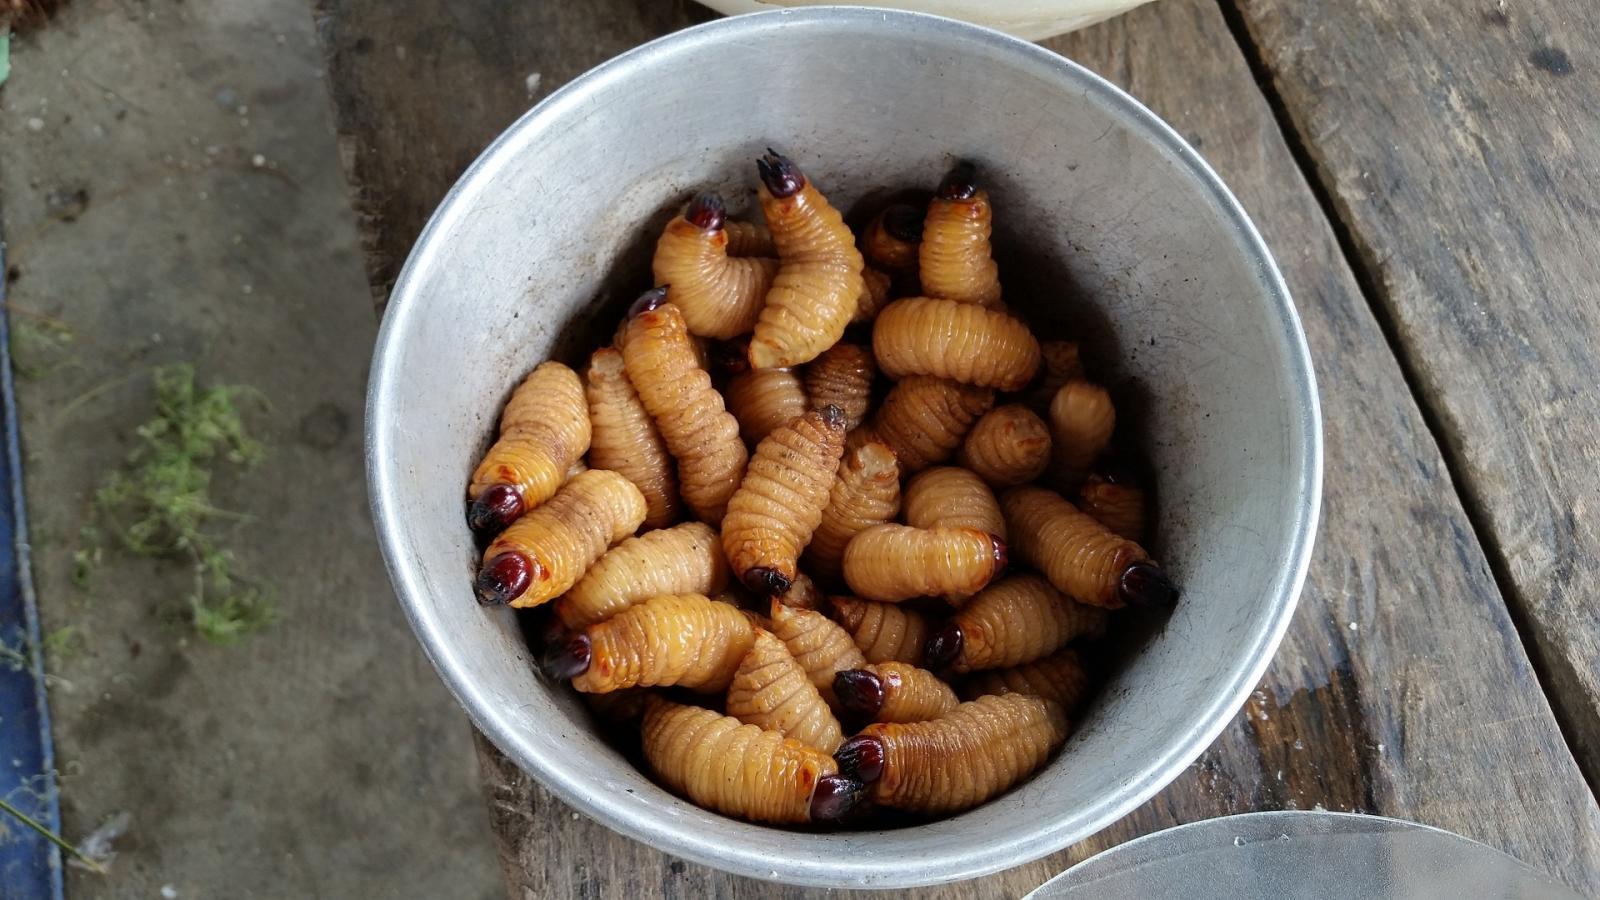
(1358,254)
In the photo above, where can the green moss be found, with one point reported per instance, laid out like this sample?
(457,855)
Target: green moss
(159,503)
(39,345)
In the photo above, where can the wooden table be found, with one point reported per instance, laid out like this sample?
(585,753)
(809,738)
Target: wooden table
(1428,175)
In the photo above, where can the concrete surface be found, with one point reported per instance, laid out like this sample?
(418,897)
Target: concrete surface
(170,190)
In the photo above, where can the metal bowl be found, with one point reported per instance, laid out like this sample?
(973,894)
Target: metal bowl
(1108,225)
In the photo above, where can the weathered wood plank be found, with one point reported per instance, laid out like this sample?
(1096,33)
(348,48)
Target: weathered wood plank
(1460,145)
(1426,709)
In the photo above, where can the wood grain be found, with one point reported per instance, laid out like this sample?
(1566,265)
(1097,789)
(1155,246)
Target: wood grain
(1466,168)
(1402,687)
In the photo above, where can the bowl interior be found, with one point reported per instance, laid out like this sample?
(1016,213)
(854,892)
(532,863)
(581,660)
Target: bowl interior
(1108,230)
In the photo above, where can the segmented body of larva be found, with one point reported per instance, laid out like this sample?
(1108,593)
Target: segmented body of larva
(1059,677)
(923,419)
(960,341)
(779,504)
(955,258)
(1015,620)
(842,376)
(688,640)
(884,632)
(719,294)
(749,239)
(948,497)
(771,690)
(688,411)
(1082,420)
(684,559)
(1059,364)
(741,770)
(891,563)
(1114,504)
(818,284)
(626,441)
(1081,557)
(876,288)
(1009,446)
(546,551)
(764,399)
(865,492)
(541,436)
(959,760)
(817,643)
(893,692)
(893,238)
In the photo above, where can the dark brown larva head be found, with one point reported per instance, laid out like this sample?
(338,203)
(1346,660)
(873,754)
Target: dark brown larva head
(707,211)
(567,659)
(961,183)
(944,646)
(861,758)
(729,358)
(498,506)
(903,222)
(832,416)
(1144,584)
(1002,557)
(651,299)
(766,582)
(779,173)
(835,797)
(503,578)
(859,692)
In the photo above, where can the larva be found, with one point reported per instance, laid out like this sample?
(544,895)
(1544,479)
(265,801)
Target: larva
(688,640)
(626,441)
(719,294)
(764,399)
(960,341)
(546,551)
(891,563)
(543,431)
(1009,446)
(948,497)
(923,419)
(1058,364)
(772,691)
(842,376)
(817,643)
(1081,557)
(1081,422)
(959,760)
(741,770)
(749,239)
(1015,620)
(866,492)
(876,289)
(1059,677)
(1115,502)
(884,632)
(892,239)
(684,559)
(779,504)
(814,294)
(955,259)
(688,411)
(893,692)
